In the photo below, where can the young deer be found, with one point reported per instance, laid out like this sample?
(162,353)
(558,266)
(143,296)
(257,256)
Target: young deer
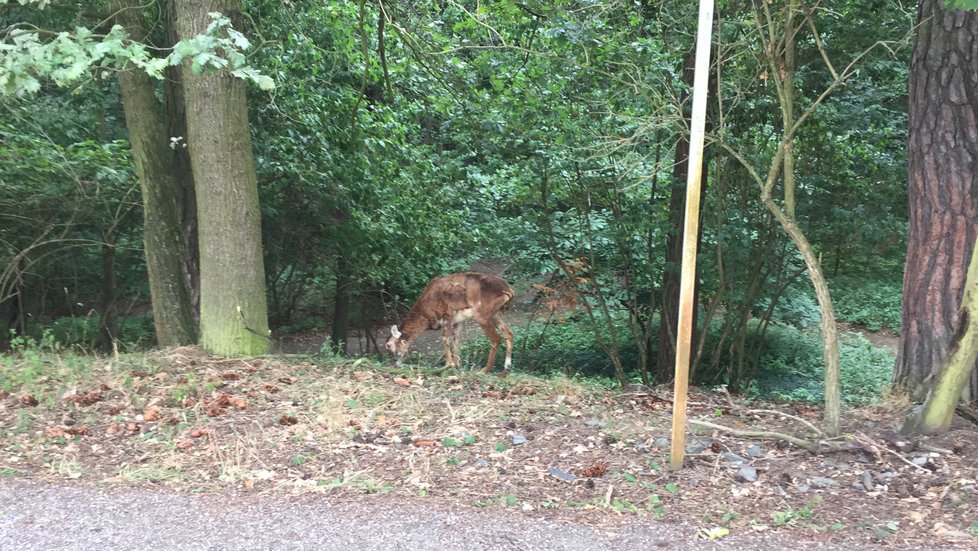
(449,300)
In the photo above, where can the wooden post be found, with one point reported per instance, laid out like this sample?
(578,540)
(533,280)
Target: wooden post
(684,332)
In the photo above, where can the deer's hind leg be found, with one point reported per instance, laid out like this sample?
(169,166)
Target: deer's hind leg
(493,336)
(508,336)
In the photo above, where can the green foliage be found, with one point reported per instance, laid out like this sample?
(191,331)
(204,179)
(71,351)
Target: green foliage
(26,58)
(791,367)
(871,303)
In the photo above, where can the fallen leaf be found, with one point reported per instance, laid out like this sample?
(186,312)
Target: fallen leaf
(239,403)
(151,414)
(77,431)
(287,420)
(28,400)
(184,444)
(54,432)
(362,375)
(402,381)
(714,533)
(594,471)
(425,442)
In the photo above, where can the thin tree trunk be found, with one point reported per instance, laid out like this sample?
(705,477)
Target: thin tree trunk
(173,313)
(108,316)
(942,192)
(341,306)
(233,308)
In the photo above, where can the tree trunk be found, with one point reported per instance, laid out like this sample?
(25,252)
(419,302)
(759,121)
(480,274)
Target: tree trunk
(669,313)
(341,306)
(233,310)
(942,192)
(108,331)
(173,313)
(175,113)
(938,411)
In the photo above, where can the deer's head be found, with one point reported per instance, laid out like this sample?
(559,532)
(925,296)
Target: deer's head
(396,345)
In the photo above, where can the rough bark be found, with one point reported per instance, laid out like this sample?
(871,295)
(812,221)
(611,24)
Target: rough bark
(938,411)
(173,313)
(233,309)
(180,167)
(942,192)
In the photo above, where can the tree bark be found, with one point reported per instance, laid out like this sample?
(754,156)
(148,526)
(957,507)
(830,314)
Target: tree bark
(173,312)
(233,309)
(942,192)
(175,115)
(938,411)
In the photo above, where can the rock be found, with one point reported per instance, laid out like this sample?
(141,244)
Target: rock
(754,451)
(733,458)
(481,462)
(641,447)
(802,488)
(565,476)
(822,481)
(594,423)
(661,442)
(747,474)
(866,481)
(519,440)
(696,446)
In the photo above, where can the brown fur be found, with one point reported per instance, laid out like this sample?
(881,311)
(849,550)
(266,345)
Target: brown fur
(440,305)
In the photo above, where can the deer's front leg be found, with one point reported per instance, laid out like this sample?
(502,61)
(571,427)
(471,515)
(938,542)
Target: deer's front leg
(449,358)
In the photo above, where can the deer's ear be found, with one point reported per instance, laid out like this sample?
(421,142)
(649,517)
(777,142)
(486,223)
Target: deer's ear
(394,332)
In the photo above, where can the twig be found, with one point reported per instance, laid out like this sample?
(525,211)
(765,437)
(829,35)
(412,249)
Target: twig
(810,446)
(808,424)
(935,449)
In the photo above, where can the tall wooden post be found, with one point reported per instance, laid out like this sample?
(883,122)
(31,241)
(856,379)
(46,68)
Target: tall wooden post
(684,330)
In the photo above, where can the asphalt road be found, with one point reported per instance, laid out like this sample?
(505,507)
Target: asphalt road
(47,517)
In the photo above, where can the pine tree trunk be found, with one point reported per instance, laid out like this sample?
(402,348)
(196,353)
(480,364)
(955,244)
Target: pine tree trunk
(943,190)
(233,310)
(938,411)
(173,313)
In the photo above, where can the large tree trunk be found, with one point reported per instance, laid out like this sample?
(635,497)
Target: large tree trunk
(938,411)
(943,190)
(173,312)
(175,113)
(233,310)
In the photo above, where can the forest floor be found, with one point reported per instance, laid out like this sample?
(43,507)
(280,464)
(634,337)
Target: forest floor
(559,448)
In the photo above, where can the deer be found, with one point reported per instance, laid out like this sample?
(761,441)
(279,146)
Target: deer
(446,302)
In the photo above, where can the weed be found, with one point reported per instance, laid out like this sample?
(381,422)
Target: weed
(623,506)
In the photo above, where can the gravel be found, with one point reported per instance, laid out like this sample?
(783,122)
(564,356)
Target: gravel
(43,516)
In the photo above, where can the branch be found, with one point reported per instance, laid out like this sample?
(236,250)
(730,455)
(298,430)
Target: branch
(813,447)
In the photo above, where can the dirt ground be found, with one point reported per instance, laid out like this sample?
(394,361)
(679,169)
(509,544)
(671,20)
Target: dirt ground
(559,448)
